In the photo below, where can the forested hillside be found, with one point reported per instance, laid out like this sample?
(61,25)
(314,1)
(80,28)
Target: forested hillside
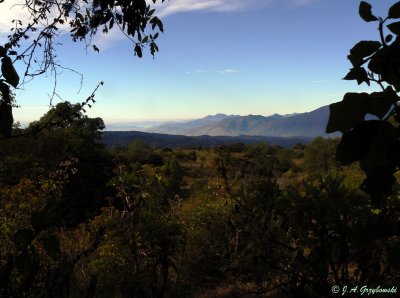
(113,139)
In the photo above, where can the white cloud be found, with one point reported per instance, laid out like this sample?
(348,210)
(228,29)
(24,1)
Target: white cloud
(106,41)
(296,3)
(228,70)
(176,6)
(10,10)
(179,6)
(223,71)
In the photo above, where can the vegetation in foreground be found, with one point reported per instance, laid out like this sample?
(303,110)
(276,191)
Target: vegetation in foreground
(78,220)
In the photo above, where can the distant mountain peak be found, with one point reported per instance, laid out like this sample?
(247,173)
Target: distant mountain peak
(218,116)
(276,116)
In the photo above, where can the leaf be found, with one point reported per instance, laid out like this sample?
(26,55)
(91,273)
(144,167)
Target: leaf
(388,38)
(379,153)
(394,11)
(80,16)
(370,142)
(138,51)
(111,25)
(365,11)
(344,115)
(23,238)
(378,63)
(365,48)
(355,60)
(392,77)
(52,246)
(8,71)
(379,181)
(359,74)
(155,21)
(356,144)
(107,17)
(6,120)
(394,27)
(5,92)
(3,51)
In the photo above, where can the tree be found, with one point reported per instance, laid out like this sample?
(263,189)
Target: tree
(319,156)
(84,19)
(374,143)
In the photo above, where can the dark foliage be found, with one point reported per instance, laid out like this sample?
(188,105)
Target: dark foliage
(373,143)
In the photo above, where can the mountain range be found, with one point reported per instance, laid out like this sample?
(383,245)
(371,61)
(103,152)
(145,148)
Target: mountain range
(311,124)
(213,130)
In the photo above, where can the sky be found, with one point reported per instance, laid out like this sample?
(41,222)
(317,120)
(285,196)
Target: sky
(216,56)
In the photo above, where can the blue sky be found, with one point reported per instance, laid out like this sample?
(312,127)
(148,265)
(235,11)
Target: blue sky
(216,56)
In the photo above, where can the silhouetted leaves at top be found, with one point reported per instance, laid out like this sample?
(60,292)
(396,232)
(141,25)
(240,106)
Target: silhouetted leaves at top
(131,16)
(9,72)
(352,109)
(365,11)
(394,27)
(394,11)
(3,51)
(138,51)
(374,143)
(386,63)
(359,74)
(356,61)
(365,48)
